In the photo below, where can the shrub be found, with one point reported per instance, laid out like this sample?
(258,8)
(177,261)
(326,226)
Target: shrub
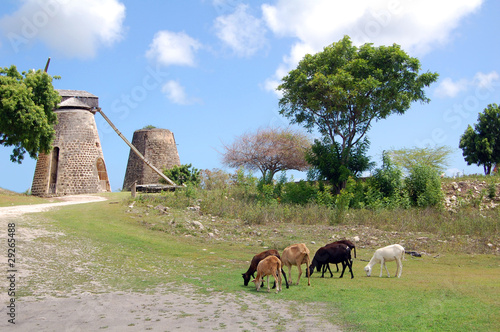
(301,192)
(423,186)
(214,179)
(387,179)
(183,174)
(324,196)
(492,187)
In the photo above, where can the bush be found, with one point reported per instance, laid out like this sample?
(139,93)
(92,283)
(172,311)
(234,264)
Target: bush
(423,186)
(387,179)
(214,179)
(301,192)
(183,174)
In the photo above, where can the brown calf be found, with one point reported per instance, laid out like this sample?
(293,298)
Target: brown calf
(269,266)
(255,261)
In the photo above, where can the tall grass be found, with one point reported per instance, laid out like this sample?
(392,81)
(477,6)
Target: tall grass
(235,204)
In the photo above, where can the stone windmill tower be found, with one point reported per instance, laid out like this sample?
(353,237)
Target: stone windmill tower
(159,148)
(76,163)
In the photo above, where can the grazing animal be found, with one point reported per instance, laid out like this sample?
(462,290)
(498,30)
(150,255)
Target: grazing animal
(335,254)
(255,261)
(394,252)
(269,266)
(296,254)
(327,266)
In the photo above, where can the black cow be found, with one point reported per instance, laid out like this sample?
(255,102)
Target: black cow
(334,254)
(347,243)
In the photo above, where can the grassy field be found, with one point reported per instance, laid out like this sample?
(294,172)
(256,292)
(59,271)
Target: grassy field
(10,198)
(108,246)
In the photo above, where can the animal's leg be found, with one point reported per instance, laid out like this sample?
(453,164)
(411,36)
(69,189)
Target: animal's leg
(386,269)
(327,266)
(300,272)
(307,271)
(343,269)
(275,275)
(331,270)
(381,267)
(268,283)
(399,268)
(349,263)
(284,275)
(290,274)
(280,281)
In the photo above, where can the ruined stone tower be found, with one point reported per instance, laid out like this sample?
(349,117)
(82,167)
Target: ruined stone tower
(158,147)
(76,163)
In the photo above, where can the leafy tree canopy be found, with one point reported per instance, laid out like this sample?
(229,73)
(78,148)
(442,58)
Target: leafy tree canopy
(27,119)
(342,89)
(325,158)
(481,145)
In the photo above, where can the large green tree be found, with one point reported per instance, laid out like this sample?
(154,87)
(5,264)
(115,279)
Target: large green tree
(343,89)
(27,119)
(481,145)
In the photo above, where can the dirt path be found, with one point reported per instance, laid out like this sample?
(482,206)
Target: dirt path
(163,309)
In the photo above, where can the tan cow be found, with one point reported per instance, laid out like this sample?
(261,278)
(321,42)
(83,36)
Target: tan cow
(271,265)
(296,254)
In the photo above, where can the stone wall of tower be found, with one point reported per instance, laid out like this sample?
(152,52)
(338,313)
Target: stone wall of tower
(79,153)
(158,147)
(40,185)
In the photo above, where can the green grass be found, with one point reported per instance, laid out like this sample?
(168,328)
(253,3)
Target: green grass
(10,198)
(121,251)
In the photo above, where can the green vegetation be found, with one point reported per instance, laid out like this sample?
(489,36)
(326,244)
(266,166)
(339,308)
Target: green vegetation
(26,112)
(109,246)
(481,145)
(10,198)
(184,174)
(436,158)
(341,90)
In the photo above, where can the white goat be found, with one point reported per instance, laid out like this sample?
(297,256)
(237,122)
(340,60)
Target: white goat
(387,254)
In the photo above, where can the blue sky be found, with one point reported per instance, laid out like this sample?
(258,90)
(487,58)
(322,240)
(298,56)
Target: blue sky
(207,69)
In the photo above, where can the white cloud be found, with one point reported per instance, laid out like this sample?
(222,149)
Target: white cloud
(485,80)
(173,48)
(74,28)
(176,93)
(449,88)
(418,26)
(241,31)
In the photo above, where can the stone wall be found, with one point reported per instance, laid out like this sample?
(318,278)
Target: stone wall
(40,185)
(80,153)
(158,147)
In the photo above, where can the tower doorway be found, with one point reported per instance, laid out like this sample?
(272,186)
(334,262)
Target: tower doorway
(54,163)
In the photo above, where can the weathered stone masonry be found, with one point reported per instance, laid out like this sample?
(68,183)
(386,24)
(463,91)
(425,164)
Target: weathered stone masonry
(158,147)
(76,163)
